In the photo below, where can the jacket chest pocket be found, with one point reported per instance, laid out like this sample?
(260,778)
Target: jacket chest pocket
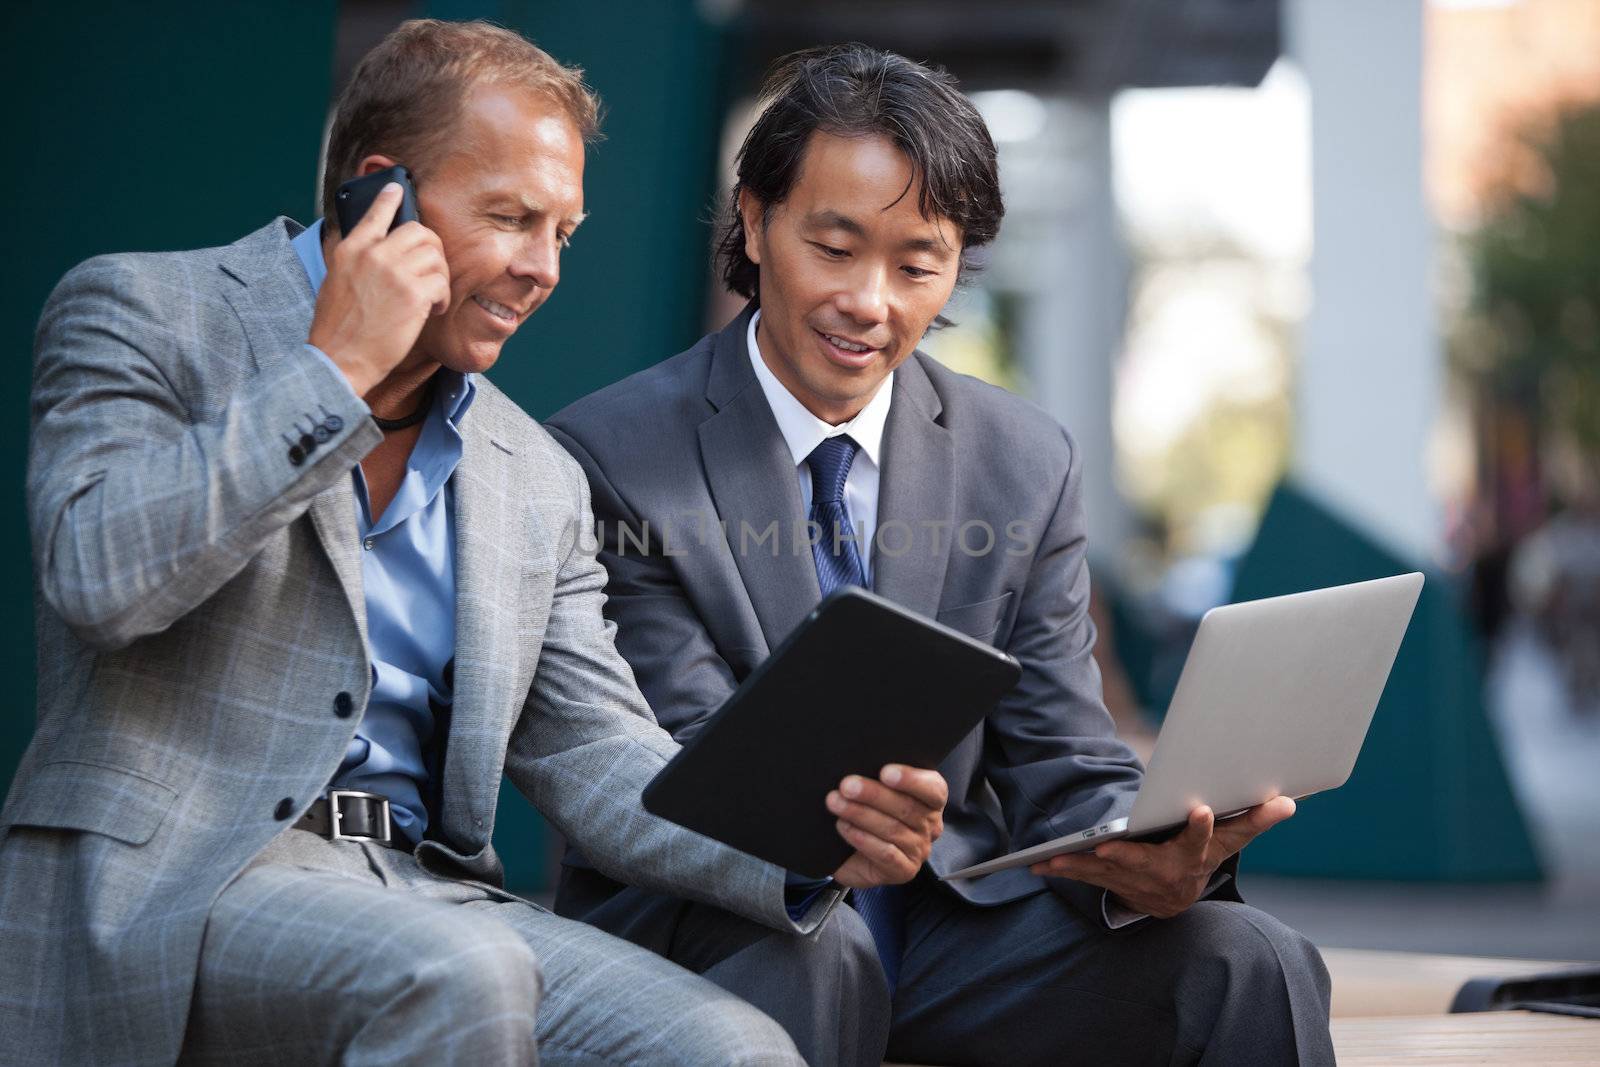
(980,620)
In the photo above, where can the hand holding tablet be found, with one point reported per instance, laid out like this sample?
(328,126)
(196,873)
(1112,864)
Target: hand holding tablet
(861,684)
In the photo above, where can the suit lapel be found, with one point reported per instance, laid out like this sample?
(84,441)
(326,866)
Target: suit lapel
(274,304)
(752,481)
(916,487)
(491,543)
(333,515)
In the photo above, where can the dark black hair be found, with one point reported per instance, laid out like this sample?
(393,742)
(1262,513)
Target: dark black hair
(853,90)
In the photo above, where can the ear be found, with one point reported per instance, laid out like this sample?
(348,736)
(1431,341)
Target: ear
(372,164)
(751,211)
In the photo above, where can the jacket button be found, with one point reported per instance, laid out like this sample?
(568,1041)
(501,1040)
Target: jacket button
(322,434)
(334,423)
(307,442)
(343,705)
(297,455)
(284,809)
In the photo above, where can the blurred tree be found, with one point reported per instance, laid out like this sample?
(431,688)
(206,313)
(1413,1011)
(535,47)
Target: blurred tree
(1529,347)
(1530,343)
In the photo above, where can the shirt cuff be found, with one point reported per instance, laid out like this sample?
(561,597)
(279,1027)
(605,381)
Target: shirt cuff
(799,893)
(1117,916)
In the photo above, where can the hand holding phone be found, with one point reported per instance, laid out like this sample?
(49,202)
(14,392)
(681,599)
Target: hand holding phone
(356,196)
(384,280)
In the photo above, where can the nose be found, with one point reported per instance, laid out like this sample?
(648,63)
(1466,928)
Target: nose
(865,298)
(537,259)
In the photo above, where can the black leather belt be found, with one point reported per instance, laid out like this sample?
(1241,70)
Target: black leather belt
(357,816)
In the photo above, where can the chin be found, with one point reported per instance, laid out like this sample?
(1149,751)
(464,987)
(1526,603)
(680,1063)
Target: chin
(843,383)
(475,360)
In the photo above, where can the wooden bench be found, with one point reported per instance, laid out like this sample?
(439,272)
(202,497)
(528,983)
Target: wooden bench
(1390,1008)
(1481,1037)
(1413,983)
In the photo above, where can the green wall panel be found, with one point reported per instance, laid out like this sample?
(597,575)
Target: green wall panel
(1429,798)
(139,128)
(134,127)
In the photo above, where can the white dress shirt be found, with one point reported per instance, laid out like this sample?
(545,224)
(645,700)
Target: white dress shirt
(803,432)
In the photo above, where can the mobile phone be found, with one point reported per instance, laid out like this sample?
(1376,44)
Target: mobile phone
(356,196)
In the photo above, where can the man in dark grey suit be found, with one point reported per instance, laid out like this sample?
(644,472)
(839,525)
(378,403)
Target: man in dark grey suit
(309,585)
(865,183)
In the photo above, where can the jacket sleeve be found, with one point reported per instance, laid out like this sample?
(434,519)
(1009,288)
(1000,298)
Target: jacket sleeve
(139,511)
(587,745)
(1051,748)
(659,631)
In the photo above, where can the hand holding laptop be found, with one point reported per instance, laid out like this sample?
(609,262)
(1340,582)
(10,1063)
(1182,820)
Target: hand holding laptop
(1273,702)
(1165,879)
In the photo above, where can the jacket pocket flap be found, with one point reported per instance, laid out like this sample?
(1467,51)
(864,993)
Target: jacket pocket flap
(100,798)
(978,620)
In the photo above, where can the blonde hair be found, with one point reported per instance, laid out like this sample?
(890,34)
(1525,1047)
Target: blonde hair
(406,95)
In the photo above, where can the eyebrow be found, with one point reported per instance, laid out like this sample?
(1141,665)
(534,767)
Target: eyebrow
(533,207)
(833,220)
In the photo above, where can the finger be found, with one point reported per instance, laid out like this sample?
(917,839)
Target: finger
(884,827)
(903,806)
(413,235)
(1237,832)
(418,257)
(375,223)
(913,849)
(857,873)
(1274,811)
(891,864)
(423,262)
(1081,866)
(1196,835)
(1129,855)
(430,269)
(925,785)
(851,871)
(441,295)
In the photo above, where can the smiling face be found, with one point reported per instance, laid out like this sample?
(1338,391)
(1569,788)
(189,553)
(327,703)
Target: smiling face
(852,274)
(504,200)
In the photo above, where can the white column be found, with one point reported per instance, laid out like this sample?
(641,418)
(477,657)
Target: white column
(1064,256)
(1370,374)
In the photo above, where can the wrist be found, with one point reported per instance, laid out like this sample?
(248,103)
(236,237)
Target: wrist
(357,372)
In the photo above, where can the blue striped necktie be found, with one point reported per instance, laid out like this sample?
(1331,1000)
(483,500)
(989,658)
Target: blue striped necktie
(839,563)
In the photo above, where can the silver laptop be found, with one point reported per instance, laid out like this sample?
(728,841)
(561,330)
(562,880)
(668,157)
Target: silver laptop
(1275,698)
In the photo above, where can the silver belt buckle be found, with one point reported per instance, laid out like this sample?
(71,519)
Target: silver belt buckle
(335,816)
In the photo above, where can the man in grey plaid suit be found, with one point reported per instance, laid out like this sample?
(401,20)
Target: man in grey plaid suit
(287,537)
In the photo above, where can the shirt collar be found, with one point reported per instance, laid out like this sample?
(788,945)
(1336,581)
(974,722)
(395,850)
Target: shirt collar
(456,390)
(803,431)
(308,246)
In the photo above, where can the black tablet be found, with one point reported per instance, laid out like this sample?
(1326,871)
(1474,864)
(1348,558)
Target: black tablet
(858,684)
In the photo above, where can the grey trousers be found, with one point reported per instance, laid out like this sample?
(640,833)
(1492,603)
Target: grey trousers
(826,989)
(343,952)
(1035,982)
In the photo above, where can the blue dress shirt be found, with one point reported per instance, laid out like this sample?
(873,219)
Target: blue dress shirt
(409,585)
